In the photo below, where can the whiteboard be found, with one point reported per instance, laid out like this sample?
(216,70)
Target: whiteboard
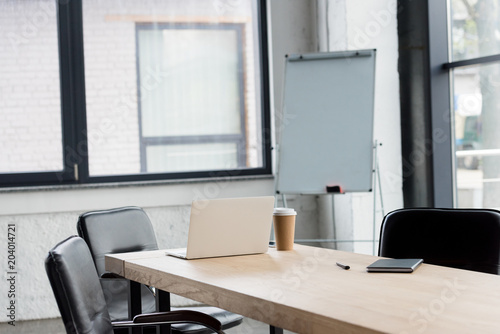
(326,130)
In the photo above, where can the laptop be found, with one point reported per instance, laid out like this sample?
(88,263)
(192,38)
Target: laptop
(227,227)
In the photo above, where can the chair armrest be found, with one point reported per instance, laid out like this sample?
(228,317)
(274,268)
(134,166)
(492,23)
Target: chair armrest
(173,317)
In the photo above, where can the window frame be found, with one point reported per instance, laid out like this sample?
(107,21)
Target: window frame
(440,72)
(73,112)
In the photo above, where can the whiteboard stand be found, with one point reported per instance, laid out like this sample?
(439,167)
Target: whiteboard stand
(327,126)
(377,185)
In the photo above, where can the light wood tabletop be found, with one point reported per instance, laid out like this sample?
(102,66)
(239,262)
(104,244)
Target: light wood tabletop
(304,291)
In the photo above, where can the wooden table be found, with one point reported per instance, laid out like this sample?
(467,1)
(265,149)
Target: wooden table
(304,291)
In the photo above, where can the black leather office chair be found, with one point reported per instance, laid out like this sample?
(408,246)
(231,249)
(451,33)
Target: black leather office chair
(128,229)
(459,238)
(80,298)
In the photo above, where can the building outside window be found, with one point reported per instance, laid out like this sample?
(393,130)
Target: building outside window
(194,117)
(30,107)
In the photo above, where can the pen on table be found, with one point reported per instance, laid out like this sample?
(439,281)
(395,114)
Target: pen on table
(343,266)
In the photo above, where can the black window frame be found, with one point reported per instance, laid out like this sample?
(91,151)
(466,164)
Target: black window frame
(440,71)
(73,112)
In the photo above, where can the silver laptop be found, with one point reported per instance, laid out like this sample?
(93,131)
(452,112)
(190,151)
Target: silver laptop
(226,227)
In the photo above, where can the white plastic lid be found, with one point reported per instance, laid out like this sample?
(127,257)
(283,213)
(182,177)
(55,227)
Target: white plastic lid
(284,212)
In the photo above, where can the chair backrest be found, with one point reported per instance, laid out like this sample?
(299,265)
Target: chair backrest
(75,284)
(459,238)
(120,230)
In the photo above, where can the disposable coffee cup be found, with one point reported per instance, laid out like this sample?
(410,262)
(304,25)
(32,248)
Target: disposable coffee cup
(284,228)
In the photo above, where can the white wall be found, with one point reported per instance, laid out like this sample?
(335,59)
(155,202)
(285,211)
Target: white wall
(373,24)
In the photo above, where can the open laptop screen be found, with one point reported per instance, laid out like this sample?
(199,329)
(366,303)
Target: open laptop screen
(233,226)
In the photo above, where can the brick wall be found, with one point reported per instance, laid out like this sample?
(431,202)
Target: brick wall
(30,127)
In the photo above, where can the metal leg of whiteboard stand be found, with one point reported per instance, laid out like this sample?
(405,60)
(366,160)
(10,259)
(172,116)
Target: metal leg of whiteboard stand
(334,227)
(283,199)
(275,330)
(376,185)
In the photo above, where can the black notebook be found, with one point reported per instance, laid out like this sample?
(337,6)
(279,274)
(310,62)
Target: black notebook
(394,265)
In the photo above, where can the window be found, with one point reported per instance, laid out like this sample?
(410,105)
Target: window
(133,90)
(31,136)
(475,41)
(470,72)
